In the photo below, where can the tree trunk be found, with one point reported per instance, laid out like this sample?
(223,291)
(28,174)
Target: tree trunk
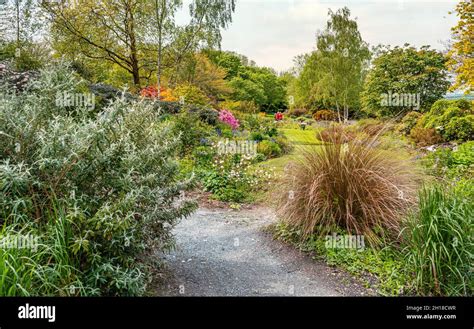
(158,72)
(135,73)
(133,50)
(160,20)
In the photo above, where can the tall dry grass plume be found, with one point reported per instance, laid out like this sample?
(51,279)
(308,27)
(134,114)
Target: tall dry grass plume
(348,183)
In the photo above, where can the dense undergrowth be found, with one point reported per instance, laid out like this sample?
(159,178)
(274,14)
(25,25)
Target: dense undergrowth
(97,187)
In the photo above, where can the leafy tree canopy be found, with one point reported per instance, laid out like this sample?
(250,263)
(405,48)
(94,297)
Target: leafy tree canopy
(333,74)
(404,71)
(461,55)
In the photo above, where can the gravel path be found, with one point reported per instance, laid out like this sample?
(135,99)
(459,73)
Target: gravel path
(226,253)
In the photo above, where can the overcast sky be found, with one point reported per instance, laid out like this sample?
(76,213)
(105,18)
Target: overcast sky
(273,32)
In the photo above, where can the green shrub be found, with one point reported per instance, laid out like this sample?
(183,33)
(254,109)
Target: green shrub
(30,56)
(439,122)
(408,122)
(440,106)
(190,131)
(232,178)
(259,158)
(464,154)
(438,162)
(452,119)
(439,243)
(460,128)
(253,122)
(239,106)
(224,131)
(449,113)
(269,149)
(256,136)
(270,130)
(228,179)
(284,144)
(464,104)
(191,95)
(261,125)
(225,188)
(203,156)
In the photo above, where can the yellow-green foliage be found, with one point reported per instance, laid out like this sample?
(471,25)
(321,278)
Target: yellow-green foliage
(451,119)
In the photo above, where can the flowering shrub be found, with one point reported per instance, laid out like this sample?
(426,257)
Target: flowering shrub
(227,117)
(278,116)
(232,179)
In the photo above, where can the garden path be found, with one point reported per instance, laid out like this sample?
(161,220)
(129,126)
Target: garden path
(224,252)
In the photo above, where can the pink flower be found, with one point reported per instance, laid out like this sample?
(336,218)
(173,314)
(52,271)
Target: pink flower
(227,117)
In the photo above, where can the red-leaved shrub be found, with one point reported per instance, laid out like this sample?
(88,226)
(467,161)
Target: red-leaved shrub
(425,136)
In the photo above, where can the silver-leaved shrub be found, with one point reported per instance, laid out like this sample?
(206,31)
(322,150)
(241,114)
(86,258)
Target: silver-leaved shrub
(98,186)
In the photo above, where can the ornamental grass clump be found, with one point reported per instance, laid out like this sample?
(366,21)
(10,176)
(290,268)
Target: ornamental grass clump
(439,243)
(353,186)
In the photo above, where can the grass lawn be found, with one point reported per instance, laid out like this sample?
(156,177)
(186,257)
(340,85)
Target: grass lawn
(300,136)
(301,139)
